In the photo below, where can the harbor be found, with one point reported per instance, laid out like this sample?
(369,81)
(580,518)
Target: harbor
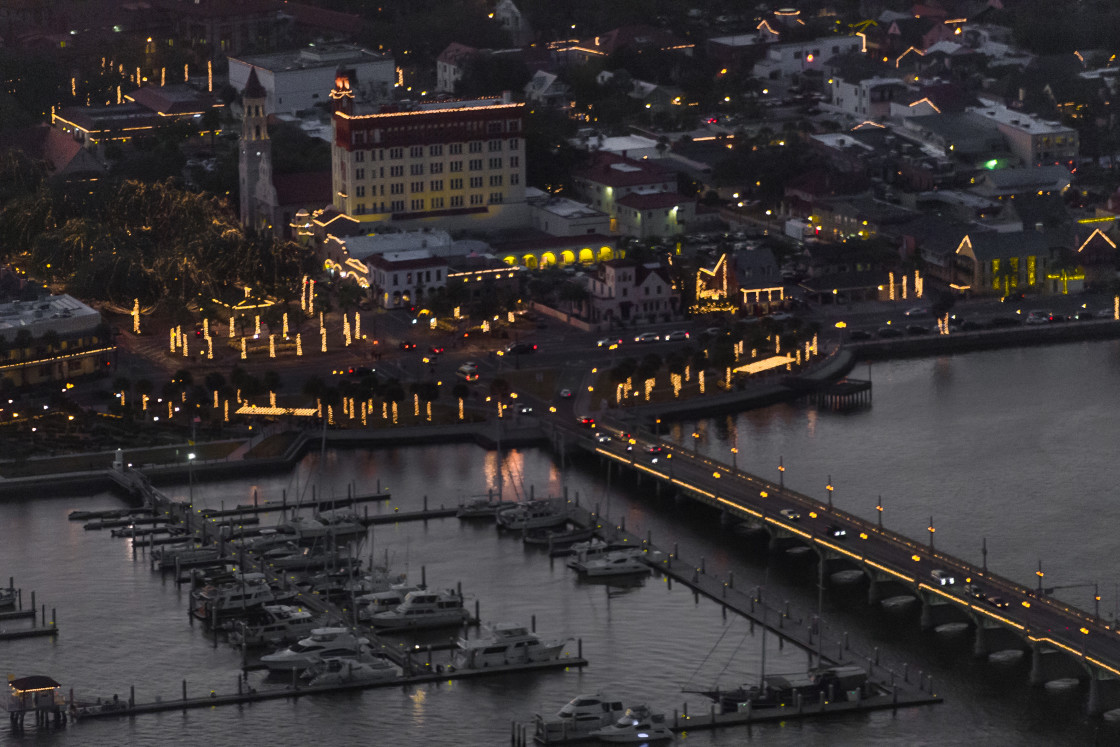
(654,640)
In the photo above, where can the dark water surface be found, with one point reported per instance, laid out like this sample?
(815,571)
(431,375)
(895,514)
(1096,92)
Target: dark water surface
(1017,447)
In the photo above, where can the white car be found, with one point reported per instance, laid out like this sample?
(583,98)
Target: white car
(524,410)
(943,578)
(919,311)
(565,393)
(647,337)
(677,335)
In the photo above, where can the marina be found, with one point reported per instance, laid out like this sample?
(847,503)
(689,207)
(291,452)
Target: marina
(612,620)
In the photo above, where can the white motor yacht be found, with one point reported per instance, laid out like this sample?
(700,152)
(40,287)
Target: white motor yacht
(339,671)
(533,515)
(382,601)
(595,551)
(424,609)
(621,563)
(581,716)
(247,591)
(322,643)
(277,624)
(638,725)
(504,643)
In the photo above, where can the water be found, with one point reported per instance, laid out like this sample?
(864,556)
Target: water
(1011,446)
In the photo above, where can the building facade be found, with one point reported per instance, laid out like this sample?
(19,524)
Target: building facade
(444,165)
(301,79)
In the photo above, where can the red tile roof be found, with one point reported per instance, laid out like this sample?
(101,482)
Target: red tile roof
(615,171)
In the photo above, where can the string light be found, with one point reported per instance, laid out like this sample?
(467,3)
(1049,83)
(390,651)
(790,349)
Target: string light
(357,326)
(890,279)
(323,345)
(136,316)
(172,339)
(429,407)
(257,325)
(701,379)
(394,413)
(285,325)
(272,346)
(231,326)
(209,348)
(416,405)
(244,353)
(460,408)
(225,413)
(346,330)
(384,410)
(299,345)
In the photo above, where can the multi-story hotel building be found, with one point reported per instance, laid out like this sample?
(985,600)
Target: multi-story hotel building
(441,164)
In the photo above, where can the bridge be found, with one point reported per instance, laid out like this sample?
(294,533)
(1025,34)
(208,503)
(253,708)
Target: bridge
(1063,641)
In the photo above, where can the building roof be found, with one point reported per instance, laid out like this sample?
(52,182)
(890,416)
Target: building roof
(253,87)
(323,18)
(319,56)
(63,153)
(175,99)
(414,260)
(989,245)
(455,52)
(1037,177)
(215,9)
(613,170)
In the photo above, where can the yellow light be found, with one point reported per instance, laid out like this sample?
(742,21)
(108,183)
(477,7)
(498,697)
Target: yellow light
(915,558)
(841,325)
(863,535)
(812,514)
(715,475)
(1085,631)
(764,494)
(1026,604)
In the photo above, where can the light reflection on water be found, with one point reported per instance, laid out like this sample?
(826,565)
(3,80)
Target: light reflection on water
(982,441)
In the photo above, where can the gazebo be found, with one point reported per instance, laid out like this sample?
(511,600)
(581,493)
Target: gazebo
(36,693)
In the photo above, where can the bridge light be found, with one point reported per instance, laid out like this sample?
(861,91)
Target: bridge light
(915,558)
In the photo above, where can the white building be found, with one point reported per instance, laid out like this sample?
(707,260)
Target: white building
(784,60)
(449,165)
(870,98)
(299,79)
(622,290)
(1034,141)
(559,216)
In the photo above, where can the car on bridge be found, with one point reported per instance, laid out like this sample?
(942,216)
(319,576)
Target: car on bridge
(603,438)
(835,532)
(997,601)
(943,578)
(654,453)
(973,591)
(790,515)
(586,421)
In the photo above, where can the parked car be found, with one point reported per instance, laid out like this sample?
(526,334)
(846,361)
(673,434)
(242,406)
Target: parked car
(919,311)
(608,342)
(647,337)
(407,345)
(889,332)
(1108,313)
(676,335)
(1013,297)
(917,329)
(524,410)
(519,348)
(565,393)
(436,349)
(1039,317)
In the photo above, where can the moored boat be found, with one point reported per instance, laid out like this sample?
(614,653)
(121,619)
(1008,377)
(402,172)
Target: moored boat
(618,563)
(533,515)
(578,718)
(639,725)
(323,643)
(482,508)
(504,643)
(274,625)
(423,609)
(246,592)
(342,671)
(844,682)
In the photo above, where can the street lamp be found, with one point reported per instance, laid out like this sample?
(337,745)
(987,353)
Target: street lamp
(1041,576)
(695,441)
(190,476)
(829,488)
(879,509)
(931,531)
(781,474)
(734,458)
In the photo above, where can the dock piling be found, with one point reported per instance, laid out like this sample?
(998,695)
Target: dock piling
(533,619)
(579,648)
(423,577)
(132,696)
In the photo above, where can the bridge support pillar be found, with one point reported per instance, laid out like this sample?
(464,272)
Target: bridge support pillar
(724,518)
(927,614)
(874,594)
(1037,676)
(980,642)
(1103,691)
